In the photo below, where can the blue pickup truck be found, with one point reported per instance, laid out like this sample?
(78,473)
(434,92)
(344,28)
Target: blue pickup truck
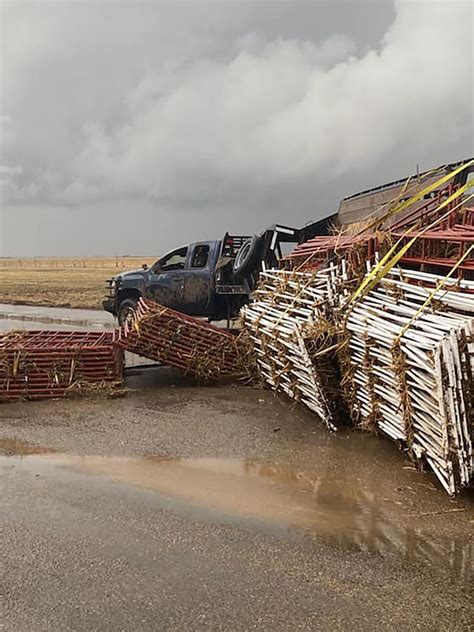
(212,279)
(197,279)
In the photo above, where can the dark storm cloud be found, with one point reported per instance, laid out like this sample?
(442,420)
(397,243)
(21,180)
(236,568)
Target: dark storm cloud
(195,117)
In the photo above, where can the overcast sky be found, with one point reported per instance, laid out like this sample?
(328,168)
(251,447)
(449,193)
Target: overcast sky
(134,127)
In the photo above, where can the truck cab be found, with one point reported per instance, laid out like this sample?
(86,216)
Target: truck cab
(196,279)
(183,278)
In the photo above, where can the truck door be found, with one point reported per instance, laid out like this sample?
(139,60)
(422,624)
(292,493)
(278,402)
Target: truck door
(198,279)
(166,280)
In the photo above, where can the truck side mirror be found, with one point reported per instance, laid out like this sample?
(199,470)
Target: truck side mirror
(145,266)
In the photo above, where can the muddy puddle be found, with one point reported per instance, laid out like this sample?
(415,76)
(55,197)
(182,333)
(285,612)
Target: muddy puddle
(349,514)
(19,447)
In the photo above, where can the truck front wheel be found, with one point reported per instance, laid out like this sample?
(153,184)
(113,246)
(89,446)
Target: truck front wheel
(126,311)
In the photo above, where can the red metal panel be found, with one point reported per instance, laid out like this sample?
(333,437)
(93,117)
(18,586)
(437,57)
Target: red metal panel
(175,339)
(314,253)
(48,364)
(436,250)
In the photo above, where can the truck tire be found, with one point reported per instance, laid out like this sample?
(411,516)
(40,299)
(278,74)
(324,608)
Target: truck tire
(126,310)
(248,257)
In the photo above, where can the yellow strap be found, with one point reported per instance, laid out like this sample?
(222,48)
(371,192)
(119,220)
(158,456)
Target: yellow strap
(408,185)
(392,257)
(418,196)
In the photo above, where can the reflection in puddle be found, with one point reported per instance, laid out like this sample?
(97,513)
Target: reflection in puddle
(346,512)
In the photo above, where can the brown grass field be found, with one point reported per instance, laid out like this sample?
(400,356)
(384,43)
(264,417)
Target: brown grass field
(61,282)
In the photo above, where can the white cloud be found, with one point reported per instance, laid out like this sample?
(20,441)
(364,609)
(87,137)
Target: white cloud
(155,106)
(289,110)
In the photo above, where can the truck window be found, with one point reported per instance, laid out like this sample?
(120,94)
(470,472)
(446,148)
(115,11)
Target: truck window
(174,261)
(200,256)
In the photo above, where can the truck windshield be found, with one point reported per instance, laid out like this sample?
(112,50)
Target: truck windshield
(173,261)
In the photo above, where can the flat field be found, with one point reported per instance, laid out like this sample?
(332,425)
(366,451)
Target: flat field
(61,282)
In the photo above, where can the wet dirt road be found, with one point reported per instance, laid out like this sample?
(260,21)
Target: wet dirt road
(24,316)
(182,508)
(187,508)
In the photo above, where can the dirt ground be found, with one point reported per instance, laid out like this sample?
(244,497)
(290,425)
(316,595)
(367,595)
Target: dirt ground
(61,282)
(220,508)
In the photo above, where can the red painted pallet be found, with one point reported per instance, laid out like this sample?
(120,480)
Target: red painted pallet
(175,339)
(50,364)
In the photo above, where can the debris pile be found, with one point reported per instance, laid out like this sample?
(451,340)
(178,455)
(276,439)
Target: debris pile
(288,323)
(438,238)
(174,339)
(397,343)
(402,356)
(408,370)
(440,250)
(50,364)
(319,251)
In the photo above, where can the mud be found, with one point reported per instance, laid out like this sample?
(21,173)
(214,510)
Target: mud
(343,512)
(18,447)
(178,502)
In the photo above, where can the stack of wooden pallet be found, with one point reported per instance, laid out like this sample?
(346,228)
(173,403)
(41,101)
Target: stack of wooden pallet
(408,369)
(288,323)
(50,364)
(175,339)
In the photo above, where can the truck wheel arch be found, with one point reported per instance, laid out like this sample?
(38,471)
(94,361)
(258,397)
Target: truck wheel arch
(126,294)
